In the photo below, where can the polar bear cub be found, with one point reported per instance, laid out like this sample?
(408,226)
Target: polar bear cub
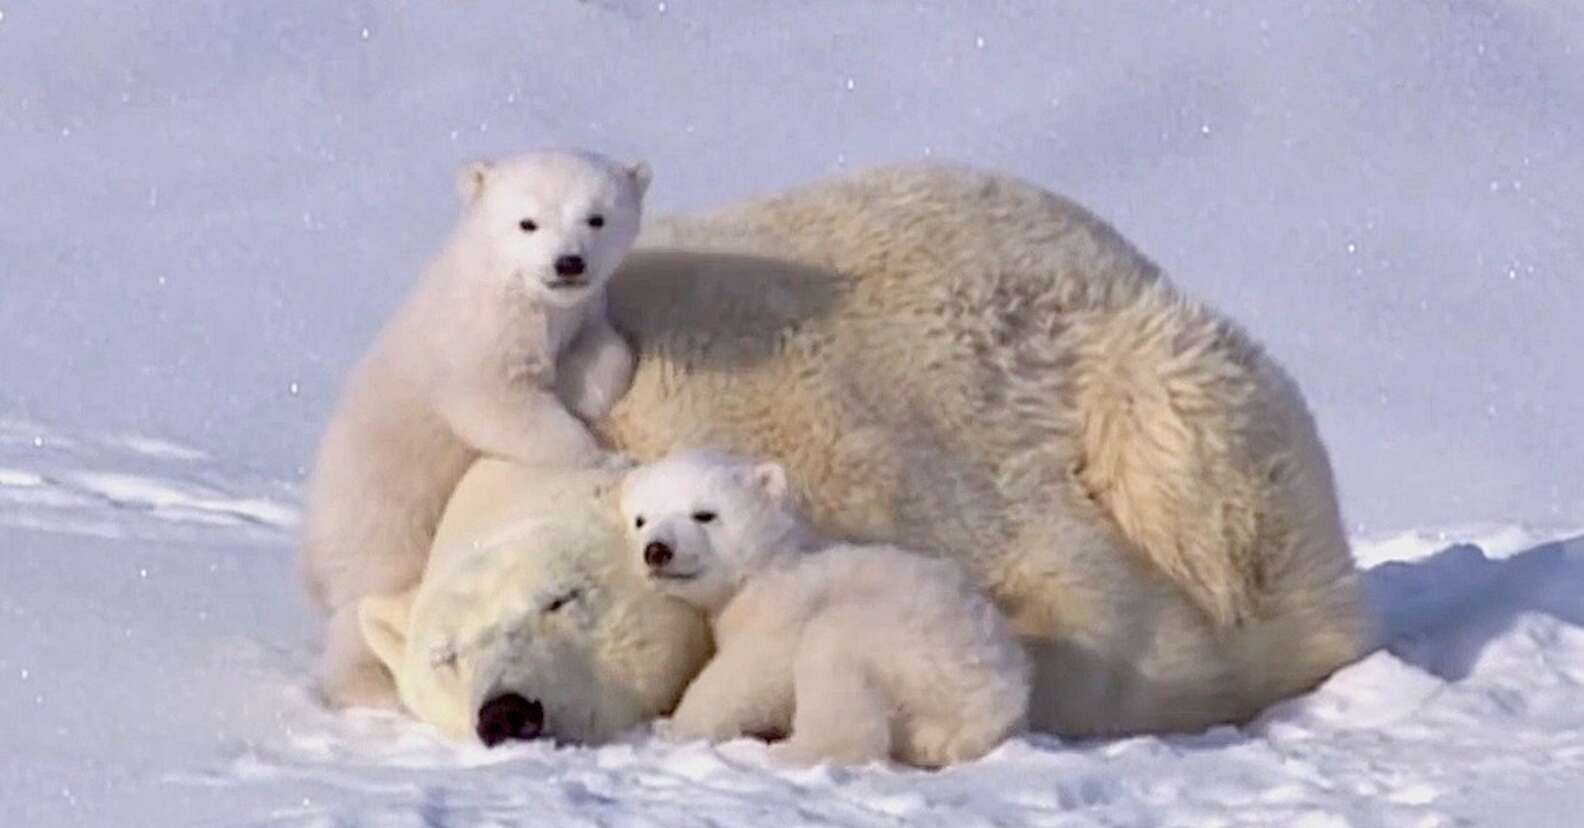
(863,652)
(503,349)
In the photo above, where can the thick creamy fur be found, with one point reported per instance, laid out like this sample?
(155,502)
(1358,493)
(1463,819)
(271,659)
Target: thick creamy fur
(863,652)
(531,595)
(490,355)
(959,362)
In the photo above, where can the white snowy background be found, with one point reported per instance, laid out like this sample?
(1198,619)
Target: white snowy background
(206,209)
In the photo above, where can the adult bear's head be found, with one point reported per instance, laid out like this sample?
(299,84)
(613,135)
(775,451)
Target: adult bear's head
(526,625)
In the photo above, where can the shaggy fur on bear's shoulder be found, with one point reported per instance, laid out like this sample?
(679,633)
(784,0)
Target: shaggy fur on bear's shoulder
(957,361)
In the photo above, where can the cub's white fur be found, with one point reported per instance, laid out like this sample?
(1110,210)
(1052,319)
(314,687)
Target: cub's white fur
(503,349)
(866,652)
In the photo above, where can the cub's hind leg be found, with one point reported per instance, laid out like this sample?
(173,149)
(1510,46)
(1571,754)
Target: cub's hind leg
(841,713)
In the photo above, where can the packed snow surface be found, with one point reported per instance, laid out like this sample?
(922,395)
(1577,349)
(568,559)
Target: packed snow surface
(154,653)
(209,207)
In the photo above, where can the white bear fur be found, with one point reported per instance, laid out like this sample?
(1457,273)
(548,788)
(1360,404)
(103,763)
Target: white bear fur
(531,595)
(959,362)
(864,652)
(492,354)
(956,361)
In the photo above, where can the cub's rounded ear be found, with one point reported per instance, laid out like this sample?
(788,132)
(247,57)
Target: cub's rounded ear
(641,175)
(771,478)
(383,621)
(470,180)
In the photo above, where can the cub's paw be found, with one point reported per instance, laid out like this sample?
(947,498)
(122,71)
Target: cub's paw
(803,750)
(687,729)
(671,731)
(791,754)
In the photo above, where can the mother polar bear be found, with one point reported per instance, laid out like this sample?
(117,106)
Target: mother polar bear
(962,363)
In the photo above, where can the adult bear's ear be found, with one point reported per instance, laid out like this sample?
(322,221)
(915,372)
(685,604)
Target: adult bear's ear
(470,180)
(641,175)
(383,618)
(772,478)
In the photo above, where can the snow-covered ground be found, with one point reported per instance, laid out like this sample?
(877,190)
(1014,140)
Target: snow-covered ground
(152,671)
(206,209)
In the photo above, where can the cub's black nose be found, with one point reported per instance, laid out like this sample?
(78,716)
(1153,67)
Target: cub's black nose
(657,554)
(570,266)
(509,717)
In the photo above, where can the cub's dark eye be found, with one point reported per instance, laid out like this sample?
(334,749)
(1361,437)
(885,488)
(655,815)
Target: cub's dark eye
(562,600)
(528,225)
(596,220)
(703,517)
(638,522)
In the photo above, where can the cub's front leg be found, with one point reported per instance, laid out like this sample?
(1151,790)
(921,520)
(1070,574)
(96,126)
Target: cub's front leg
(595,371)
(740,692)
(526,424)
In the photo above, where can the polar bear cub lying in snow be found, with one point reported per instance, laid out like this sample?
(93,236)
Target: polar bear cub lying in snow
(866,652)
(504,349)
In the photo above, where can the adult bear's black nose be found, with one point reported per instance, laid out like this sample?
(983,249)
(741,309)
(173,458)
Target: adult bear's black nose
(657,554)
(569,265)
(507,717)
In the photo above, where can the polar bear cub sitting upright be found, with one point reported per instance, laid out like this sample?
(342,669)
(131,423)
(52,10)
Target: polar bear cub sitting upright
(866,652)
(503,349)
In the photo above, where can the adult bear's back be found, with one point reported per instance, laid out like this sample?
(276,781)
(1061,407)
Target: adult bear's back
(949,357)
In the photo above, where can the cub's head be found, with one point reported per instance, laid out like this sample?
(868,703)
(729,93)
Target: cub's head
(559,222)
(700,521)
